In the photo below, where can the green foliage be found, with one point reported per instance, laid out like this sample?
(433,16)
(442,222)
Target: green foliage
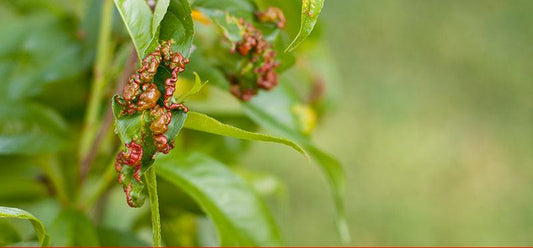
(58,114)
(138,18)
(27,128)
(16,213)
(310,12)
(178,26)
(204,123)
(72,228)
(239,214)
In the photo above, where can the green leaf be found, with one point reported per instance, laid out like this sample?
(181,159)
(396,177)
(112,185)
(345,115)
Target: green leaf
(159,13)
(309,16)
(16,213)
(137,17)
(198,85)
(204,123)
(137,127)
(8,234)
(226,14)
(151,182)
(73,228)
(28,129)
(241,217)
(178,25)
(273,111)
(241,8)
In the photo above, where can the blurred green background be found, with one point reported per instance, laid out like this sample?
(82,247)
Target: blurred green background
(434,127)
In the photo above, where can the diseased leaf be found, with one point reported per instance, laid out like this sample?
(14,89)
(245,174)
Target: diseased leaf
(137,17)
(241,217)
(178,25)
(30,129)
(136,128)
(204,123)
(73,228)
(16,213)
(309,16)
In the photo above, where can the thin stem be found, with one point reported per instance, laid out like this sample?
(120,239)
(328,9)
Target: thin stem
(103,59)
(52,169)
(91,195)
(151,183)
(108,119)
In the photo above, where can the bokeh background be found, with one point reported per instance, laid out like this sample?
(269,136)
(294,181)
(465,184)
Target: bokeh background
(434,127)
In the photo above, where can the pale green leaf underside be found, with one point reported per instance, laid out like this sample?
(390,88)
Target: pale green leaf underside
(16,213)
(159,13)
(240,216)
(137,16)
(171,20)
(204,123)
(310,12)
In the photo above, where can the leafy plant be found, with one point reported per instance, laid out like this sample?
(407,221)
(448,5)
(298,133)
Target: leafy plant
(165,148)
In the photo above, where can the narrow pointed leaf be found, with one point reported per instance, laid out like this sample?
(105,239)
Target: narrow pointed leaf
(159,13)
(16,213)
(198,85)
(240,216)
(204,123)
(310,12)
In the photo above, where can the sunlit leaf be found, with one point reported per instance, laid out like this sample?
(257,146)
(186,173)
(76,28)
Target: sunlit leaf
(198,85)
(241,217)
(309,16)
(159,13)
(204,123)
(137,17)
(16,213)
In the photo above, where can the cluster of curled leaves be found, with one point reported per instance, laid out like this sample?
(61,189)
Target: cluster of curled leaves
(148,103)
(243,49)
